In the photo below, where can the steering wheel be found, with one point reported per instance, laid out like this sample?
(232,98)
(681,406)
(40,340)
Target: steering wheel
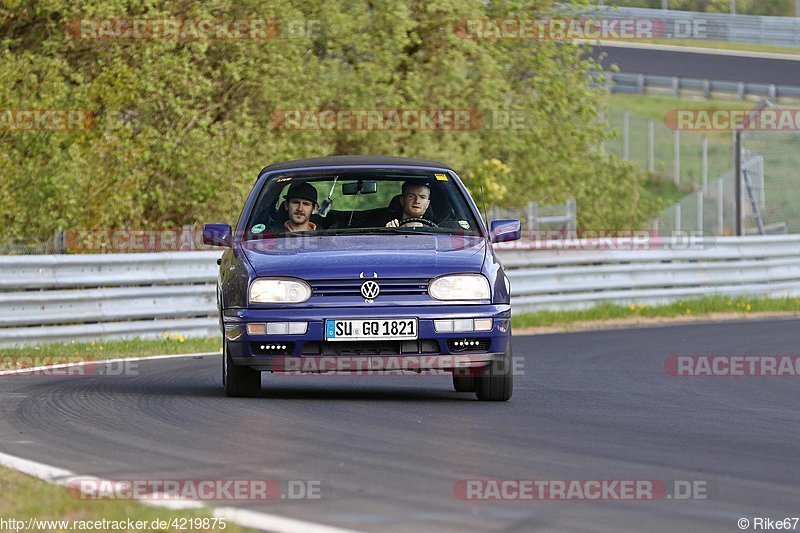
(424,221)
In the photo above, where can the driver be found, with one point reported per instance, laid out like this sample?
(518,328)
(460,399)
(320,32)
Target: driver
(301,203)
(416,199)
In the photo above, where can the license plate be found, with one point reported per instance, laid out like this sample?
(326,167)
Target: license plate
(374,329)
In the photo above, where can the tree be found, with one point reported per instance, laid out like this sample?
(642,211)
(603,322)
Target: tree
(183,126)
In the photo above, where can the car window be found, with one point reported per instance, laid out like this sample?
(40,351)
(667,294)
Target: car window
(359,202)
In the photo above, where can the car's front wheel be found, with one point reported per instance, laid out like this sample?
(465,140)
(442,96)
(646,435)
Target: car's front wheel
(239,381)
(495,382)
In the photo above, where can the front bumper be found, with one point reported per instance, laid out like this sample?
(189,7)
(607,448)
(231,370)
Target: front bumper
(310,352)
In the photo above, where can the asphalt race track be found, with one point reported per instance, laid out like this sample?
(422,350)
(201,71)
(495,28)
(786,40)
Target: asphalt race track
(699,65)
(388,450)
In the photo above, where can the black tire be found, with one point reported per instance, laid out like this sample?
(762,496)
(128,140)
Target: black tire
(463,380)
(238,381)
(495,383)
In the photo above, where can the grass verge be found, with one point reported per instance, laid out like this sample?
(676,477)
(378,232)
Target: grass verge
(169,344)
(656,107)
(697,308)
(25,497)
(724,45)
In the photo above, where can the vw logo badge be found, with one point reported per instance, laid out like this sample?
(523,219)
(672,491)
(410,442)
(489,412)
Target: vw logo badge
(370,290)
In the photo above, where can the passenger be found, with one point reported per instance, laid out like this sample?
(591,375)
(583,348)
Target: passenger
(301,203)
(415,199)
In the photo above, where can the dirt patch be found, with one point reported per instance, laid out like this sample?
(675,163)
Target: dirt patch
(644,321)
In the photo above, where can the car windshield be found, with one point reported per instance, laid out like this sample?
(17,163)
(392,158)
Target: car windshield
(365,202)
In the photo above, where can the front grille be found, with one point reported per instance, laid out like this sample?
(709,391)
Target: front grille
(352,287)
(371,347)
(467,345)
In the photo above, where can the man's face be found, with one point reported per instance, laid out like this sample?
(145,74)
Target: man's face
(415,200)
(300,210)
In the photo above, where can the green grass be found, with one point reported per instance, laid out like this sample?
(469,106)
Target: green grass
(698,307)
(655,107)
(724,45)
(26,497)
(171,344)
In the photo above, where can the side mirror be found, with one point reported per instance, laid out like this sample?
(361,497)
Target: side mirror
(217,235)
(505,230)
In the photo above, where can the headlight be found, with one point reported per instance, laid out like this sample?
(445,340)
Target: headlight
(460,287)
(279,291)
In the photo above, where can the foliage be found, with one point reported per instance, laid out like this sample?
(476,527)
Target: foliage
(488,178)
(183,126)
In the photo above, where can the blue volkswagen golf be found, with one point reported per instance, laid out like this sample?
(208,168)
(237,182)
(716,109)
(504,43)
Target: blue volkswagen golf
(364,265)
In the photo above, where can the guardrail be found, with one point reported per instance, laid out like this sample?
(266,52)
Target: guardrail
(86,297)
(564,275)
(61,298)
(778,31)
(631,83)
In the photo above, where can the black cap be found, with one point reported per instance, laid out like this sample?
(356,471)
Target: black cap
(306,191)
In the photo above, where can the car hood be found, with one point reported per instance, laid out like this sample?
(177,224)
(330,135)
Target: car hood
(387,256)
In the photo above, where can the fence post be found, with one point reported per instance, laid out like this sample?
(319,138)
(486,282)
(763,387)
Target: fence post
(720,207)
(740,90)
(572,215)
(59,242)
(533,217)
(640,83)
(699,219)
(676,87)
(626,138)
(651,146)
(677,217)
(705,162)
(707,89)
(676,175)
(737,183)
(602,118)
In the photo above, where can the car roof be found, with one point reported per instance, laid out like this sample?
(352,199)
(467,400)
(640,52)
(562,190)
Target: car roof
(353,160)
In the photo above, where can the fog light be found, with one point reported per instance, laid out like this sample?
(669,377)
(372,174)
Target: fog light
(483,324)
(277,328)
(462,324)
(256,328)
(298,328)
(443,326)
